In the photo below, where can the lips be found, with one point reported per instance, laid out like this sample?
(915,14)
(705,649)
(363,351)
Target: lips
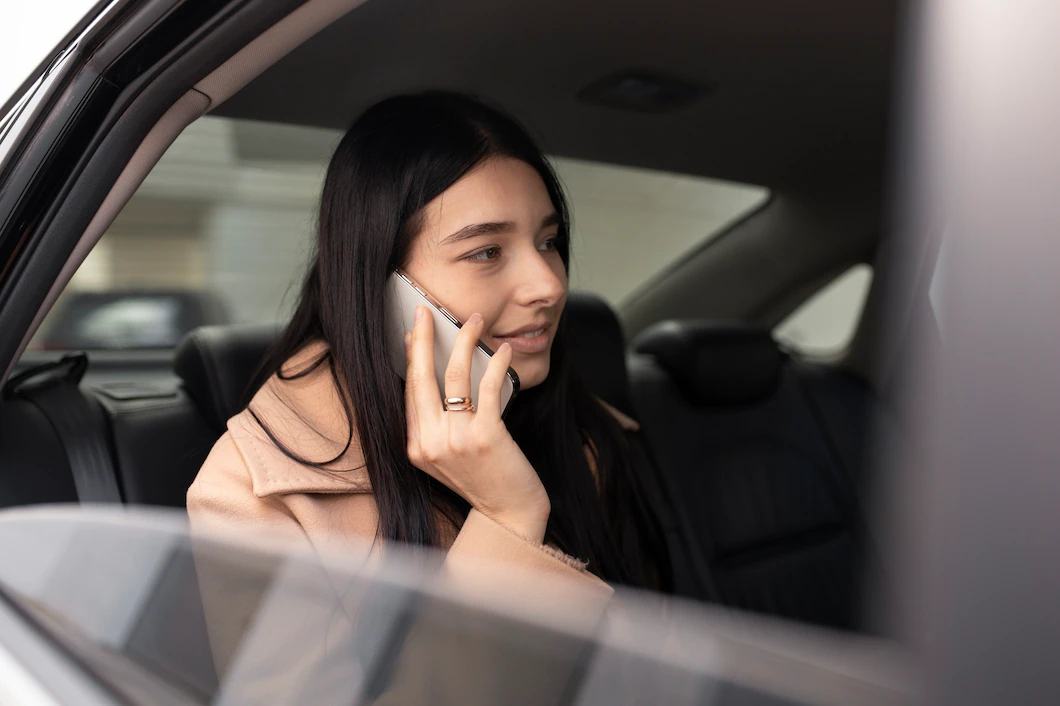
(529,328)
(534,338)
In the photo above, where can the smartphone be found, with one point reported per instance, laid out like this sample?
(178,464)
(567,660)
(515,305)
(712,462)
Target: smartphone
(403,296)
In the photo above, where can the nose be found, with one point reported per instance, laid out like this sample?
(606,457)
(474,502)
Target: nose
(542,281)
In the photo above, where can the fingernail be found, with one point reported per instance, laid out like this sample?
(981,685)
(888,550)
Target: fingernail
(408,339)
(505,347)
(475,318)
(419,313)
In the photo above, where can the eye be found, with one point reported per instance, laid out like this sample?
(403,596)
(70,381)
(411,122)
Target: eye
(550,244)
(491,253)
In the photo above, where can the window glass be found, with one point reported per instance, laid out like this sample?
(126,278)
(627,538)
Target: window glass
(630,224)
(30,32)
(221,229)
(825,323)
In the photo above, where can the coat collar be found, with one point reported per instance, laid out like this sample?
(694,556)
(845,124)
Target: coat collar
(307,417)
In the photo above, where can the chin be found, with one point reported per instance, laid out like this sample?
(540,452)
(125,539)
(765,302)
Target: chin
(532,373)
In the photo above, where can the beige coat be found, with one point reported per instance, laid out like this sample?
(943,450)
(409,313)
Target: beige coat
(247,482)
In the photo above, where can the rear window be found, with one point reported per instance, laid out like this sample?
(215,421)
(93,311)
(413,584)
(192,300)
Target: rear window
(220,232)
(824,325)
(630,224)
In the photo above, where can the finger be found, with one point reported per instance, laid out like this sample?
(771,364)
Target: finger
(458,372)
(489,389)
(410,406)
(412,428)
(419,377)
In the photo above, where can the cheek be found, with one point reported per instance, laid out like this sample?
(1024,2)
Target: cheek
(457,292)
(469,299)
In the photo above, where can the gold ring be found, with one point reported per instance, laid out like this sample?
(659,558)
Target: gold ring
(466,408)
(459,404)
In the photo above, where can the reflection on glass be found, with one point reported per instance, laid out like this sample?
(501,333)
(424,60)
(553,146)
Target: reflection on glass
(164,617)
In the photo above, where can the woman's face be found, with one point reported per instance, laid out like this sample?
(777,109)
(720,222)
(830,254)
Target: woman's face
(488,246)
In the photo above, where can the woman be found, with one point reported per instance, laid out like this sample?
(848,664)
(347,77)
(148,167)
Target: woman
(456,194)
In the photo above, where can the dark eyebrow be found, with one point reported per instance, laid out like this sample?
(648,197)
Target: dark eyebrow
(476,229)
(479,229)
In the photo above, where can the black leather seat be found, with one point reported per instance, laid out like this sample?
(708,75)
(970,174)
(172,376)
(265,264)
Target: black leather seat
(159,440)
(768,493)
(36,469)
(155,440)
(598,356)
(161,431)
(598,348)
(216,365)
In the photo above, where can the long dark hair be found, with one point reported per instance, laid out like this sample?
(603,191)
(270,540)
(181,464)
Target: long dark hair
(396,158)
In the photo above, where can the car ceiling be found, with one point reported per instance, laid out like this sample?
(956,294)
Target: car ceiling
(799,90)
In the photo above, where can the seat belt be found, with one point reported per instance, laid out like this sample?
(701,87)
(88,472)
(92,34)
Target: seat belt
(78,421)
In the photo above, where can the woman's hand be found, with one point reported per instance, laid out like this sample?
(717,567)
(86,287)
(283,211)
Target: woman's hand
(470,452)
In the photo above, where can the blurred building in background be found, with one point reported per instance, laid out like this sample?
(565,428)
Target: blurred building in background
(224,224)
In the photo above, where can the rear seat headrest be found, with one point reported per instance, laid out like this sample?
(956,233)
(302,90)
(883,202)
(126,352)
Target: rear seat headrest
(597,348)
(715,362)
(216,364)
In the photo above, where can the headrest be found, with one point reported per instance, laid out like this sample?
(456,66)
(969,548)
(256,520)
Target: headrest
(713,362)
(598,348)
(216,364)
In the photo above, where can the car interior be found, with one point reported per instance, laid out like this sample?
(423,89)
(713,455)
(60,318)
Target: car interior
(759,454)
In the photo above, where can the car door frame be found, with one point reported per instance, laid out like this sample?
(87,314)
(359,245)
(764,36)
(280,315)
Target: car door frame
(106,91)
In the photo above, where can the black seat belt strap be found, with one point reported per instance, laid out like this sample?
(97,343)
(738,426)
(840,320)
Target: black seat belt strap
(78,421)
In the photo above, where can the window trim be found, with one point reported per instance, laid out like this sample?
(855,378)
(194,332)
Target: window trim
(97,118)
